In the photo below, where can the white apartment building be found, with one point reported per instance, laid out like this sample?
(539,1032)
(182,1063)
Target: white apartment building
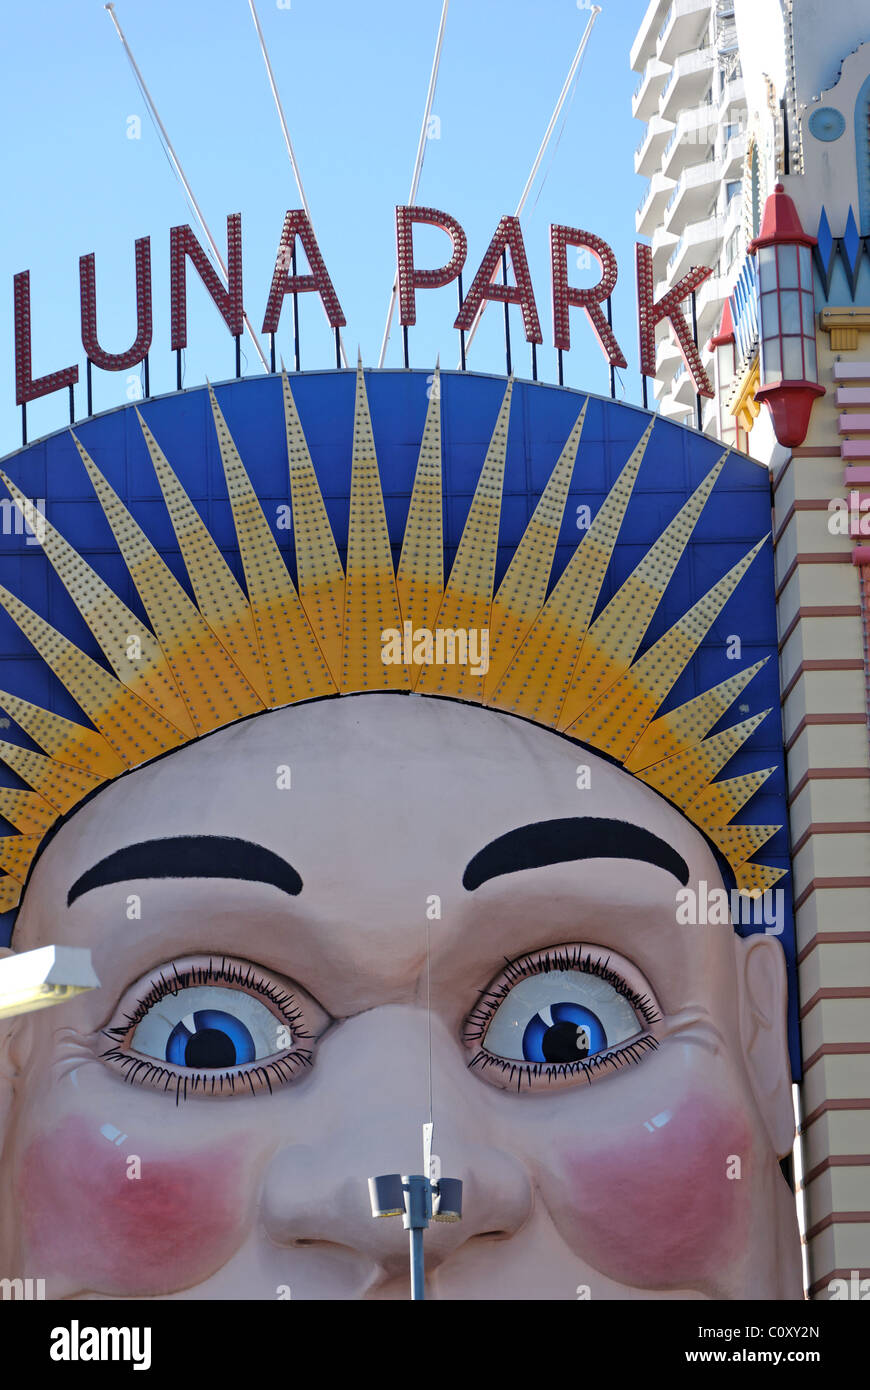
(742,101)
(691,97)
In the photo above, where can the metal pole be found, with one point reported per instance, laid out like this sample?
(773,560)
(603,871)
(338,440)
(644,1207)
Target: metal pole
(339,350)
(561,372)
(698,410)
(405,344)
(72,404)
(418,167)
(507,321)
(612,368)
(595,12)
(238,355)
(534,361)
(147,377)
(461,331)
(23,423)
(297,350)
(287,141)
(418,1280)
(272,350)
(180,172)
(178,369)
(89,376)
(643,383)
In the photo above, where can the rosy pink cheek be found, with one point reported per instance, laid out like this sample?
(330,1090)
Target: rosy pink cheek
(86,1221)
(655,1207)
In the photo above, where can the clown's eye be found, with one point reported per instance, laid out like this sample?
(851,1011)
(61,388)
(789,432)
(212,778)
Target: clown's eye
(207,1026)
(558,1013)
(214,1028)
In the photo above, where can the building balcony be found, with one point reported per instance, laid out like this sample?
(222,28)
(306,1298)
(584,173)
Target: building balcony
(733,101)
(663,245)
(733,156)
(668,358)
(733,218)
(644,45)
(685,25)
(649,214)
(661,389)
(693,195)
(709,300)
(690,78)
(647,156)
(645,102)
(672,409)
(690,140)
(699,245)
(683,388)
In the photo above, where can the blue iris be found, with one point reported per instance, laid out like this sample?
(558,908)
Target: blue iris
(218,1040)
(561,1041)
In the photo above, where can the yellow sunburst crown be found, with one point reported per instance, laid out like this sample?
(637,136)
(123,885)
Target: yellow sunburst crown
(196,666)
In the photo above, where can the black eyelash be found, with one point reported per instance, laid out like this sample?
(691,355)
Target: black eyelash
(283,1069)
(564,958)
(553,1071)
(558,959)
(140,1071)
(203,975)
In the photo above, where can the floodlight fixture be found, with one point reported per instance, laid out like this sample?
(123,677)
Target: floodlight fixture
(417,1198)
(49,975)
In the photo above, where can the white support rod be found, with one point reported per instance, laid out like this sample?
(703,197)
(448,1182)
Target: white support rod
(286,133)
(181,175)
(572,71)
(418,165)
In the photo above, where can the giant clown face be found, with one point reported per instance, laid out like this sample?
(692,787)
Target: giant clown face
(611,1086)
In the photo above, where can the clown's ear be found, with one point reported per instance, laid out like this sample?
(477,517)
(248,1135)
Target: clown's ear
(763,1004)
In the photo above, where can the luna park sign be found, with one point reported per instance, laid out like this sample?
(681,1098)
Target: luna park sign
(185,248)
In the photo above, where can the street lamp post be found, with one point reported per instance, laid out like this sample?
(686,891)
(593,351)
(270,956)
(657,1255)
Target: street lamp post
(417,1198)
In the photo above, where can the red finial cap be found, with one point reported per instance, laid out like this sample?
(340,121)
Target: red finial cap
(780,223)
(726,329)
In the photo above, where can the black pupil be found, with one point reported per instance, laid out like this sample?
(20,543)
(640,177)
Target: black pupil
(210,1047)
(559,1043)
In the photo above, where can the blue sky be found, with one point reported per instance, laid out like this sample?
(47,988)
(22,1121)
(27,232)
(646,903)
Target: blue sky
(353,81)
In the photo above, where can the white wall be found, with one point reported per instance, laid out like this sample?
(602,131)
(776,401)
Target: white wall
(825,31)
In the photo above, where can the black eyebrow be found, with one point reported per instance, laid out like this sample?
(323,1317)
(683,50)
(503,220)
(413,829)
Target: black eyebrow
(190,856)
(574,837)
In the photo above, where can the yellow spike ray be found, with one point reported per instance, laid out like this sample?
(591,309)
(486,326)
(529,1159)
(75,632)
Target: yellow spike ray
(219,596)
(420,576)
(318,568)
(10,893)
(293,664)
(135,730)
(756,879)
(467,602)
(740,842)
(27,811)
(522,592)
(63,739)
(371,603)
(213,687)
(538,678)
(613,639)
(718,803)
(687,724)
(681,778)
(131,649)
(616,720)
(63,786)
(17,852)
